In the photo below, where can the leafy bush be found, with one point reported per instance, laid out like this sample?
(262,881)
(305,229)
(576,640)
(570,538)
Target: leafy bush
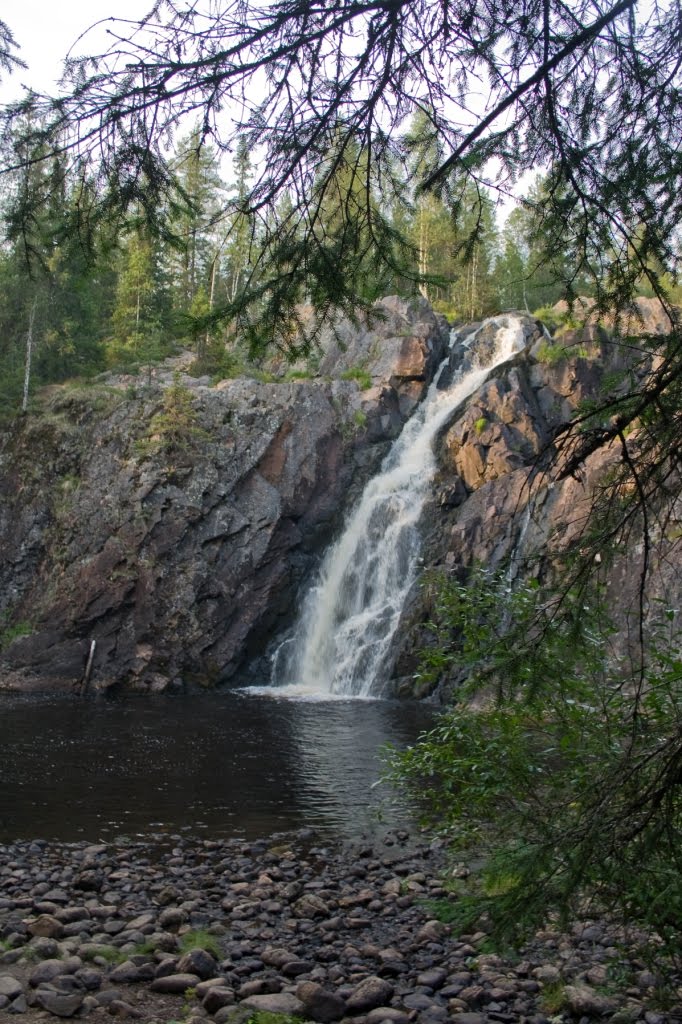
(551,353)
(564,779)
(555,319)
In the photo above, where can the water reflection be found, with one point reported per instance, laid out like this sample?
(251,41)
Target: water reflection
(221,765)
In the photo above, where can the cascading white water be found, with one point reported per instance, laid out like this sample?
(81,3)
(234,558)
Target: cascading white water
(350,615)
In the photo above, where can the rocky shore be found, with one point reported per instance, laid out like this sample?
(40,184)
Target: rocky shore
(221,930)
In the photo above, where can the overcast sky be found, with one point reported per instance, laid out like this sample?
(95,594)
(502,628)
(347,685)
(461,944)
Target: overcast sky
(45,30)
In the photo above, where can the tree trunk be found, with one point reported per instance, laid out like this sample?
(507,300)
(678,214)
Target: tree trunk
(29,353)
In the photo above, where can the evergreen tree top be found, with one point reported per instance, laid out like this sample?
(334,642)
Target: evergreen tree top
(591,91)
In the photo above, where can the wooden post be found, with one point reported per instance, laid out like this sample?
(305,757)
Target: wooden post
(88,667)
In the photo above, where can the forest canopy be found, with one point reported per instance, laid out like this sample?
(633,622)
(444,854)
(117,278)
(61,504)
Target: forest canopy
(325,98)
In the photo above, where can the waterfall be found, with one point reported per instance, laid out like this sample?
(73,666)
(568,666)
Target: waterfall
(343,636)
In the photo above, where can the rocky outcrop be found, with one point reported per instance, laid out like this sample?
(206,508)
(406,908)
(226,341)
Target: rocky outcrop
(157,535)
(165,527)
(494,504)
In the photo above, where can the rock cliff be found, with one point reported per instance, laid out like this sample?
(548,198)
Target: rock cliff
(171,522)
(492,503)
(165,527)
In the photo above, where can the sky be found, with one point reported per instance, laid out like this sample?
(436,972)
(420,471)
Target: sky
(45,31)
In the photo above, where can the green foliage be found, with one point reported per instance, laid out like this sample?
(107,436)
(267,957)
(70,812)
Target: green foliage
(298,375)
(559,768)
(200,939)
(176,427)
(552,999)
(10,633)
(480,424)
(359,374)
(266,1017)
(110,954)
(551,353)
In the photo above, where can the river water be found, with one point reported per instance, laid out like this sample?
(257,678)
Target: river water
(216,765)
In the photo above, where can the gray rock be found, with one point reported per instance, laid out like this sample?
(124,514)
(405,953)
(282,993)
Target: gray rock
(294,968)
(128,973)
(61,1004)
(418,1001)
(175,984)
(46,926)
(217,997)
(45,972)
(258,987)
(369,993)
(108,996)
(320,1003)
(389,1013)
(276,956)
(584,1001)
(120,1008)
(277,1002)
(241,514)
(310,906)
(10,987)
(89,978)
(199,962)
(171,918)
(433,978)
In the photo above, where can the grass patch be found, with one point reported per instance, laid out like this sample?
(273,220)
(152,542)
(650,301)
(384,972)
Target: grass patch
(550,354)
(298,375)
(362,377)
(552,998)
(11,633)
(110,954)
(200,939)
(265,1017)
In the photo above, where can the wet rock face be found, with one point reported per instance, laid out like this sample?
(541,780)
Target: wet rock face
(178,549)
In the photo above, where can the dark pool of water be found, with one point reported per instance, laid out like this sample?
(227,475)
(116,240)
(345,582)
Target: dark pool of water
(229,764)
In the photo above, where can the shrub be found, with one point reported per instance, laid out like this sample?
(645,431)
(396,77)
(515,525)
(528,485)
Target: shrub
(176,426)
(564,778)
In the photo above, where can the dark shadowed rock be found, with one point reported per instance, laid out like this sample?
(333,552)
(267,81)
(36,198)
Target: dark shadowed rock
(320,1003)
(198,961)
(61,1004)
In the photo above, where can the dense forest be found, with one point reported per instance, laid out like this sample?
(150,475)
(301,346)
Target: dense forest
(135,295)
